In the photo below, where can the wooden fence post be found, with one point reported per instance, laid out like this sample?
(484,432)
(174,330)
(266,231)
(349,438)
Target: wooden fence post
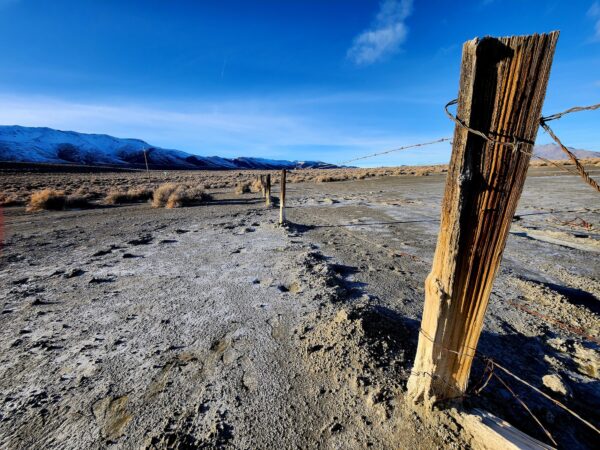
(502,88)
(268,190)
(146,160)
(282,198)
(262,185)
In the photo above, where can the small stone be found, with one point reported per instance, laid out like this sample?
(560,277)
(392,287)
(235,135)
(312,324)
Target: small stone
(75,272)
(336,428)
(555,383)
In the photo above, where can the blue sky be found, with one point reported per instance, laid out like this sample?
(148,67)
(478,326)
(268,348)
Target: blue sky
(328,80)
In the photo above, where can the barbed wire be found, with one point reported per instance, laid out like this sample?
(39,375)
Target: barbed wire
(489,367)
(394,252)
(513,142)
(490,363)
(406,147)
(554,163)
(479,355)
(569,111)
(520,400)
(565,326)
(580,169)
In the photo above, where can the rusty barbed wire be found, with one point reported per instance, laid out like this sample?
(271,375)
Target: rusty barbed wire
(477,354)
(491,364)
(554,163)
(489,368)
(580,169)
(514,142)
(565,326)
(569,111)
(423,144)
(553,400)
(456,352)
(526,408)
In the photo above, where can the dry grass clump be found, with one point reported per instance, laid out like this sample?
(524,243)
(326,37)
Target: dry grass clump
(16,186)
(330,178)
(77,201)
(256,186)
(10,199)
(55,200)
(132,195)
(50,199)
(174,195)
(243,187)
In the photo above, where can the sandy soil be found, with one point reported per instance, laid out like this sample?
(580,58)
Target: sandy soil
(211,327)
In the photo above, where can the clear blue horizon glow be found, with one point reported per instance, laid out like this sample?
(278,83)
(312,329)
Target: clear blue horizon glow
(305,80)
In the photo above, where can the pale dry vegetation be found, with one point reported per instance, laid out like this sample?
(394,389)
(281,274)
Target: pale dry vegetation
(243,187)
(17,186)
(10,199)
(55,200)
(256,186)
(132,195)
(174,195)
(590,163)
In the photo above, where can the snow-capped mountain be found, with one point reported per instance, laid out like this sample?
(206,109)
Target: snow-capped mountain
(46,145)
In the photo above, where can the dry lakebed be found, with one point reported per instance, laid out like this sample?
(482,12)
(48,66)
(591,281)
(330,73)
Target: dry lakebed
(212,327)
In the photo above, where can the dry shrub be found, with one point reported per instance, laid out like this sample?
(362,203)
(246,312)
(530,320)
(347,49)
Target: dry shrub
(174,195)
(256,186)
(132,195)
(330,178)
(77,201)
(50,199)
(55,200)
(10,199)
(242,188)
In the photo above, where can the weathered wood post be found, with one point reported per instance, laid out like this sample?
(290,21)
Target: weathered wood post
(282,198)
(502,88)
(146,160)
(268,190)
(262,185)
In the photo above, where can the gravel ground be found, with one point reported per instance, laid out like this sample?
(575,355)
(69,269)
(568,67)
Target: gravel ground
(211,327)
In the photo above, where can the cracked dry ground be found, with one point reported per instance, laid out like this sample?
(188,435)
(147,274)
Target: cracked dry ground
(211,327)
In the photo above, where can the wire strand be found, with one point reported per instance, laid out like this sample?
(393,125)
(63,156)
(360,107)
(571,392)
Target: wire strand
(569,111)
(445,139)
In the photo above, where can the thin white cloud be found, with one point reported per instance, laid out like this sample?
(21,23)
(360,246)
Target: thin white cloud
(245,128)
(386,34)
(594,14)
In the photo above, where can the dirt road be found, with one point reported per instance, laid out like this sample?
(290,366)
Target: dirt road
(211,327)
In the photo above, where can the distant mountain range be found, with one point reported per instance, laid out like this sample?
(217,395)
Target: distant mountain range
(553,151)
(46,145)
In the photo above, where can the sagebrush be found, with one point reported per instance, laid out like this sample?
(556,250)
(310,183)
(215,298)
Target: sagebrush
(56,200)
(174,195)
